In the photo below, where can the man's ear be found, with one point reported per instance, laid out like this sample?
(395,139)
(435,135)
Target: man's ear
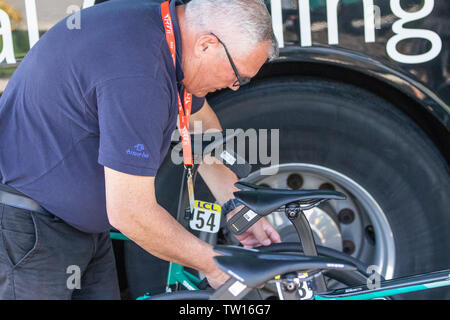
(205,43)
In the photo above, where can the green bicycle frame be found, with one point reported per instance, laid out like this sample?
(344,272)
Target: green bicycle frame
(177,274)
(390,287)
(117,236)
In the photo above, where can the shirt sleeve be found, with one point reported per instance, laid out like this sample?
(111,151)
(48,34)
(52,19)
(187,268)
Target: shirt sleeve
(133,113)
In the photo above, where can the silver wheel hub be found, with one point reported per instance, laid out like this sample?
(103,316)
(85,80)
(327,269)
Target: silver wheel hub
(356,226)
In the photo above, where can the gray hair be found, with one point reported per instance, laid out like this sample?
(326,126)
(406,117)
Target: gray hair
(246,23)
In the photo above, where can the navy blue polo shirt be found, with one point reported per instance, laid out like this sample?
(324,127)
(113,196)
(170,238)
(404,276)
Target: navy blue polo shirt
(81,99)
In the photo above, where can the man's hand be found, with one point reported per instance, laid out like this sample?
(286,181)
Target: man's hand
(220,181)
(262,233)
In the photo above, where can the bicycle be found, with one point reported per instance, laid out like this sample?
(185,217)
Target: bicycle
(297,271)
(296,276)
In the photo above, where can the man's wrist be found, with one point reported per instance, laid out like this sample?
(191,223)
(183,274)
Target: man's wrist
(209,266)
(230,206)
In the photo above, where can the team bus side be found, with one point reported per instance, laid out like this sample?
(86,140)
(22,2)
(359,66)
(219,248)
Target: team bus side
(360,95)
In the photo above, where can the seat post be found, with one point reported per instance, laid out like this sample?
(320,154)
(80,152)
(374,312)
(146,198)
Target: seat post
(301,224)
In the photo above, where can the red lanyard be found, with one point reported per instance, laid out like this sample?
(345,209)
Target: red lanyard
(182,115)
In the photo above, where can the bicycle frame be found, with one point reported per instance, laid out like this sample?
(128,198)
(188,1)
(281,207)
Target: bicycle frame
(178,275)
(390,287)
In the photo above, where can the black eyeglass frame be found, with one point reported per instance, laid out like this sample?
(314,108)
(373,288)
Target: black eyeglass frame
(241,81)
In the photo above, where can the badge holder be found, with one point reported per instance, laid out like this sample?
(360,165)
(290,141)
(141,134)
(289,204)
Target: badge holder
(200,215)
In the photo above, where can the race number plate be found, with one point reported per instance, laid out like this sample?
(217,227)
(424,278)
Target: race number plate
(206,217)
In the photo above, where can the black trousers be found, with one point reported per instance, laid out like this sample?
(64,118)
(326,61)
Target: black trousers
(42,257)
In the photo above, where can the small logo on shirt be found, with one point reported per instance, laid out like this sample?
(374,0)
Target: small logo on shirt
(137,151)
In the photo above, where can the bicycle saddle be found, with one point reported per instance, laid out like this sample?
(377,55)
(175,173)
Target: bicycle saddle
(254,268)
(243,185)
(265,200)
(214,144)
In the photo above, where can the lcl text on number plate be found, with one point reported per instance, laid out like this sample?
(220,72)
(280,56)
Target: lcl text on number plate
(206,217)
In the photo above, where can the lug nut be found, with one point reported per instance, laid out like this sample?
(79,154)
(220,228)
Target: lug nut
(326,186)
(295,181)
(348,246)
(346,216)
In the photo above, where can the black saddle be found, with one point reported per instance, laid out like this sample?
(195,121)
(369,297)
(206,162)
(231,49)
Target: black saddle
(254,268)
(214,144)
(243,185)
(263,201)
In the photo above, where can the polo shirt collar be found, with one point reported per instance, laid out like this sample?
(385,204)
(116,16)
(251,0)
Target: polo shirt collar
(176,28)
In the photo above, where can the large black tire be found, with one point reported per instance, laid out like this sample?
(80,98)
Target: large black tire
(364,137)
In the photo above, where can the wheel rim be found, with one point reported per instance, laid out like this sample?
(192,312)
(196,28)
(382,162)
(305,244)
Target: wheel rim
(357,226)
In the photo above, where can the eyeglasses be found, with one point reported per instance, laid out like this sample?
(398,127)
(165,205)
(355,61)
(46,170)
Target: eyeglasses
(241,81)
